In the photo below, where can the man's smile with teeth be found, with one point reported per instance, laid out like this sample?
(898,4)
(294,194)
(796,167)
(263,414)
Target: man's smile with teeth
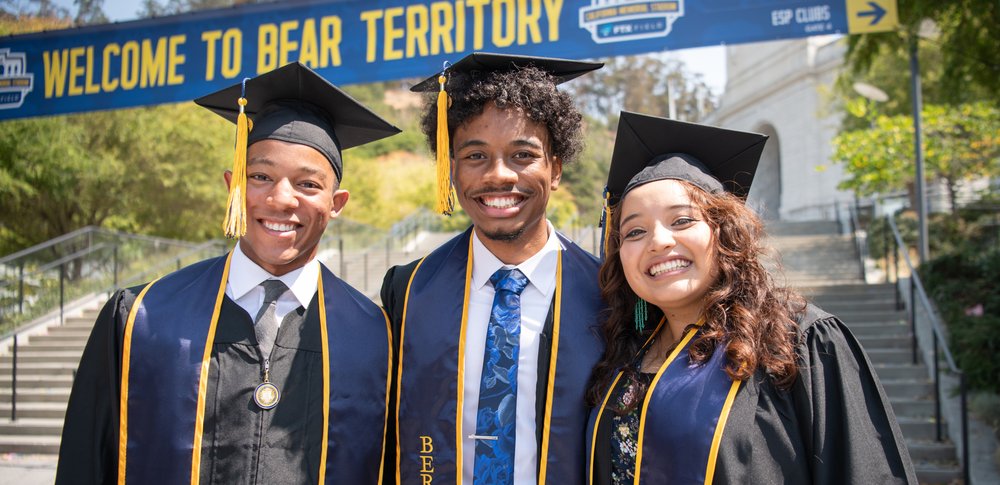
(500,202)
(671,265)
(277,226)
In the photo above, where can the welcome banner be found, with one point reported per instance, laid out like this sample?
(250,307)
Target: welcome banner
(181,57)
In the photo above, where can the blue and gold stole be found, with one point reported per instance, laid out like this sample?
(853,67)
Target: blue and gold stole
(166,352)
(432,360)
(682,419)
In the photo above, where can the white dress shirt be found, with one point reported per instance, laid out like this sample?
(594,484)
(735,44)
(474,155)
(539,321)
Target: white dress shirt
(245,278)
(535,300)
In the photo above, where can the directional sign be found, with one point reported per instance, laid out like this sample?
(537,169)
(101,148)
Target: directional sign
(867,16)
(178,58)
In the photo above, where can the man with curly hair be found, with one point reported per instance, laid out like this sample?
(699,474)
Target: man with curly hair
(494,329)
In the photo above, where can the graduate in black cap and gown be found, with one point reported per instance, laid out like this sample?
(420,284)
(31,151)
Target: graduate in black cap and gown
(484,398)
(260,366)
(712,373)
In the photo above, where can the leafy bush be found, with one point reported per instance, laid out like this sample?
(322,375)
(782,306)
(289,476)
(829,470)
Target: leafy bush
(962,283)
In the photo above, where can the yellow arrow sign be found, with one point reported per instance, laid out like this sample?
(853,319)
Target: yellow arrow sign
(866,16)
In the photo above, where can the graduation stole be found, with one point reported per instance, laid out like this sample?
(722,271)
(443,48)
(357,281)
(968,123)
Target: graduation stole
(170,332)
(432,366)
(683,416)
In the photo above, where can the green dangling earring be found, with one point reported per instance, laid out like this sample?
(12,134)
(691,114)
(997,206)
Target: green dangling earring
(640,315)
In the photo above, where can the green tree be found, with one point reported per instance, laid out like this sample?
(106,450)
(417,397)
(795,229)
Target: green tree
(961,142)
(959,59)
(150,170)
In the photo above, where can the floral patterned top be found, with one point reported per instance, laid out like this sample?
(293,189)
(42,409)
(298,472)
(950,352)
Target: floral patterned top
(625,431)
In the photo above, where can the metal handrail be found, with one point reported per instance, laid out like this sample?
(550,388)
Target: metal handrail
(860,243)
(940,345)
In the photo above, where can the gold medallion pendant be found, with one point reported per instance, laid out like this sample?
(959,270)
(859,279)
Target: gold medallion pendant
(266,395)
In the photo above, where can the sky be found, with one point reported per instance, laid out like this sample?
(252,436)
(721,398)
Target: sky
(710,62)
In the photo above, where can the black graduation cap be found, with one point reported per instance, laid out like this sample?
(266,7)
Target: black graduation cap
(296,105)
(649,148)
(472,65)
(562,69)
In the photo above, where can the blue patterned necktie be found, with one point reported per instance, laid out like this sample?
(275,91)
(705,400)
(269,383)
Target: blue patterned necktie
(495,421)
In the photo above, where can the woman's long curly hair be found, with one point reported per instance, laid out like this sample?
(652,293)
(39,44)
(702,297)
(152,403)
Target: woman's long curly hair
(528,89)
(745,311)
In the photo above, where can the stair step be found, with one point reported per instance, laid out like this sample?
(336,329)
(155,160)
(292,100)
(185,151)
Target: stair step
(913,408)
(907,389)
(38,368)
(37,348)
(31,426)
(888,341)
(938,475)
(890,356)
(37,396)
(61,356)
(36,381)
(930,450)
(43,410)
(863,330)
(56,339)
(901,371)
(919,428)
(30,444)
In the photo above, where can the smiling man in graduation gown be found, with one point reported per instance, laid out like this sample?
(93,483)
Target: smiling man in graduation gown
(494,329)
(260,366)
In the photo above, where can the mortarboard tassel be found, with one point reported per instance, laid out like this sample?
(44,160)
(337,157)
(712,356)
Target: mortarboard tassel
(605,222)
(235,225)
(445,193)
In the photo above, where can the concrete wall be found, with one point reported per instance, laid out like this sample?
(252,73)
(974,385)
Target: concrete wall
(781,89)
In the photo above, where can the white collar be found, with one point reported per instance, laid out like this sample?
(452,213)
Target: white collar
(540,268)
(245,275)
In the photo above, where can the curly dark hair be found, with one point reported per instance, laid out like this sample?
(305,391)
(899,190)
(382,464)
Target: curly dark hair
(744,309)
(529,89)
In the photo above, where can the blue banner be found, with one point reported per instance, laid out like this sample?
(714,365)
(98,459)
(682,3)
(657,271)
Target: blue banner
(181,57)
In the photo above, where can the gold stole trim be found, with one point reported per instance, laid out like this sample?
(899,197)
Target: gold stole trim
(326,376)
(544,458)
(202,380)
(713,452)
(388,389)
(460,383)
(607,396)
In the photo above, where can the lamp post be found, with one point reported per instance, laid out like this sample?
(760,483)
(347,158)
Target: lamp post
(918,149)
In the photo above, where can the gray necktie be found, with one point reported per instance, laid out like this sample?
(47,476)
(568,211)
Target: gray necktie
(266,323)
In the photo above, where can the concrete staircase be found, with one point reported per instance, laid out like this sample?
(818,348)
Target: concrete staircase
(46,362)
(824,266)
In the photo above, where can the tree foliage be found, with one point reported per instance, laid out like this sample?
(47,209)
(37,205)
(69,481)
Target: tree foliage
(150,170)
(960,143)
(961,49)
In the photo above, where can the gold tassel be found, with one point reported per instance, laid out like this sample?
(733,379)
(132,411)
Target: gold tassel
(606,235)
(445,192)
(235,225)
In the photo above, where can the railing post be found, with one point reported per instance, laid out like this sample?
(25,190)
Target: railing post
(20,288)
(365,274)
(965,429)
(340,249)
(913,317)
(388,248)
(62,292)
(13,382)
(895,271)
(885,248)
(937,389)
(114,266)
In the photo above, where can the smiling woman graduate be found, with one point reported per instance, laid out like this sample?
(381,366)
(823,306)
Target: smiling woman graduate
(712,373)
(259,366)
